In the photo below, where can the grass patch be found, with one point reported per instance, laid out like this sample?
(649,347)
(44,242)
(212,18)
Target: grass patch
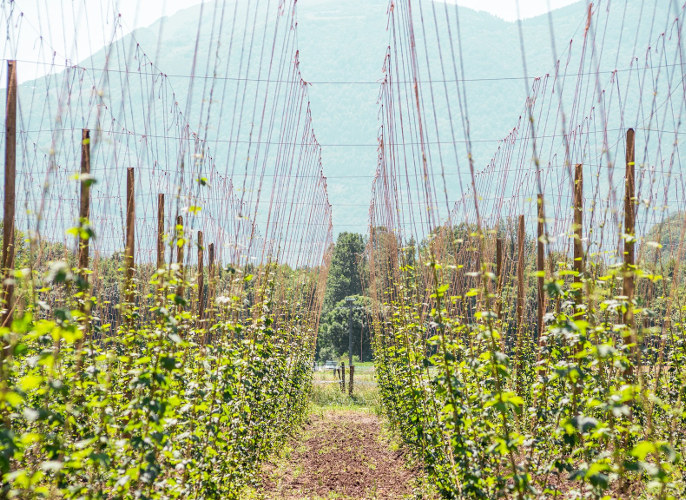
(326,391)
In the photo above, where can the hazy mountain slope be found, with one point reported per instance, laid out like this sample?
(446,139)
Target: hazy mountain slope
(346,42)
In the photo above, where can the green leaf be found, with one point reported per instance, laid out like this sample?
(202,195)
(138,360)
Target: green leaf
(143,361)
(643,449)
(13,398)
(168,362)
(30,382)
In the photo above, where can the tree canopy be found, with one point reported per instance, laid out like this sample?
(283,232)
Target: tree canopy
(333,336)
(347,266)
(346,275)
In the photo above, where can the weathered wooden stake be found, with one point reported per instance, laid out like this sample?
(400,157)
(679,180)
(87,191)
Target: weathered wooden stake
(84,216)
(201,278)
(10,194)
(540,265)
(352,377)
(180,243)
(498,260)
(84,208)
(343,377)
(499,245)
(520,273)
(160,231)
(629,244)
(629,227)
(161,262)
(96,289)
(83,244)
(578,224)
(211,284)
(129,261)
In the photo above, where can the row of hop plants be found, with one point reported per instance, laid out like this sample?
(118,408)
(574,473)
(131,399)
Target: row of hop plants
(160,403)
(590,407)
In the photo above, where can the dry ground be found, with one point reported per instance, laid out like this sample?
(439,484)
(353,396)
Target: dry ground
(343,453)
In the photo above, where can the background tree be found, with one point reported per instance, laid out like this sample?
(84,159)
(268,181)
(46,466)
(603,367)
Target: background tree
(667,234)
(333,336)
(345,279)
(347,266)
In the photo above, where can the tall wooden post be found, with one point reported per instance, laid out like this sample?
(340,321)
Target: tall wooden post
(84,216)
(520,273)
(629,226)
(83,244)
(520,299)
(130,235)
(578,224)
(84,208)
(201,278)
(160,231)
(540,265)
(350,301)
(95,292)
(498,260)
(10,194)
(180,243)
(629,243)
(499,244)
(161,263)
(210,274)
(210,291)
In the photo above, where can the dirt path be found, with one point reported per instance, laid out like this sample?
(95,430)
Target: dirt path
(342,454)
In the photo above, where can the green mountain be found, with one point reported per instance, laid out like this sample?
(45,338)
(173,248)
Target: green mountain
(342,47)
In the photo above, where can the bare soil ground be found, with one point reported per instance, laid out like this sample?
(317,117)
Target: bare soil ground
(342,454)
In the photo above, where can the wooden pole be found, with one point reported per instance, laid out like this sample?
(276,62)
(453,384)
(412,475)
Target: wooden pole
(629,243)
(129,261)
(352,377)
(160,231)
(629,227)
(10,194)
(161,263)
(499,245)
(498,260)
(84,208)
(96,288)
(84,217)
(180,243)
(540,265)
(212,284)
(349,300)
(83,244)
(520,273)
(343,377)
(578,224)
(201,278)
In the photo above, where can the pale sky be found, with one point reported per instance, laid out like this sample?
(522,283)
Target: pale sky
(507,9)
(75,29)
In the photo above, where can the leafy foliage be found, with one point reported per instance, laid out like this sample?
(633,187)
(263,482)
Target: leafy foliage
(347,273)
(165,404)
(333,337)
(346,270)
(590,407)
